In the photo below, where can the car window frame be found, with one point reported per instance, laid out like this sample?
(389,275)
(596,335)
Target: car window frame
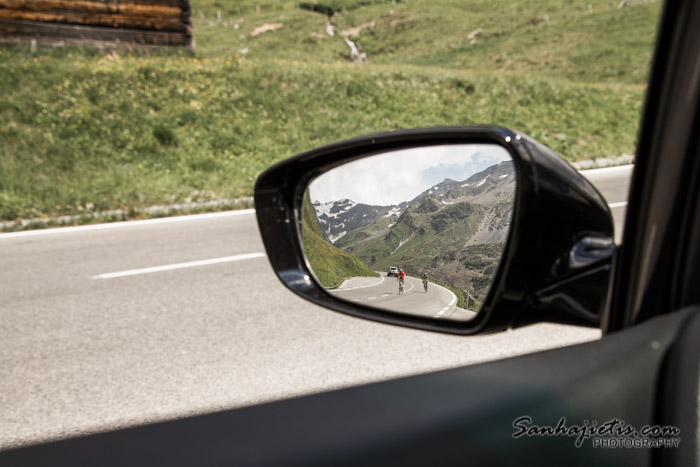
(656,238)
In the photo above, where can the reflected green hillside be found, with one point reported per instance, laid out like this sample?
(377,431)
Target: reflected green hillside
(330,265)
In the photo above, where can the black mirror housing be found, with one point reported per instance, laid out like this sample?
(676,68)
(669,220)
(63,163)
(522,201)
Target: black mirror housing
(556,262)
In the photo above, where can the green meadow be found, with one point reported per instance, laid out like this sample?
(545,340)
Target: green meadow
(83,131)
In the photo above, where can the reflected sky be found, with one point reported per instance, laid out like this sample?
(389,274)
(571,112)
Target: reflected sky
(391,178)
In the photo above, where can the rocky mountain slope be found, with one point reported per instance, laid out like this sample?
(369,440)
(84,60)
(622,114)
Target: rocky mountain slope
(337,218)
(455,230)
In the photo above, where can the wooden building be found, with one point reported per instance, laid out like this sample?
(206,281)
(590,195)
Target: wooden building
(104,24)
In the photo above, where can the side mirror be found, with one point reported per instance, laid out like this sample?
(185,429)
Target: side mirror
(501,230)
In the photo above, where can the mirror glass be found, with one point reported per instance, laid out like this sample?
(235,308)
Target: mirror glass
(417,231)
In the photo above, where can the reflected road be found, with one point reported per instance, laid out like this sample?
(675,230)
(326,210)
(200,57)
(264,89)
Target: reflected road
(383,292)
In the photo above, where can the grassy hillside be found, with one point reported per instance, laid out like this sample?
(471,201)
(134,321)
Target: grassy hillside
(434,242)
(82,131)
(330,265)
(542,37)
(377,228)
(418,237)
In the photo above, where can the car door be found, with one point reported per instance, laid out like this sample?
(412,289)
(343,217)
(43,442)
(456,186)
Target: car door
(533,409)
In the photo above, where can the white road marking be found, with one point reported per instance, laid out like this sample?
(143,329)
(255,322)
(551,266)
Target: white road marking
(619,204)
(170,267)
(452,302)
(607,169)
(409,283)
(115,225)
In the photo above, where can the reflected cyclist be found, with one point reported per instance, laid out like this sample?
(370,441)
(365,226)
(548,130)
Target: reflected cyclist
(401,277)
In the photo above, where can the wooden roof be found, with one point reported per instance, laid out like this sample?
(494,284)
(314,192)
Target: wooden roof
(97,23)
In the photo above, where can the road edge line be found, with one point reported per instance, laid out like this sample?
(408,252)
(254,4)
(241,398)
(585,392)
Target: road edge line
(614,168)
(452,302)
(115,225)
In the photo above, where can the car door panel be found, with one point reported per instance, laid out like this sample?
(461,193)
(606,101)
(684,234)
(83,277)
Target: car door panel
(455,417)
(679,395)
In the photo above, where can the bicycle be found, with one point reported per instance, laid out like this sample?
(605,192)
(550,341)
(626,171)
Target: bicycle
(425,285)
(400,286)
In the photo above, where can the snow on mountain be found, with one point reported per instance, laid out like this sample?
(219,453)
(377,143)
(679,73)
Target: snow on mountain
(336,218)
(483,181)
(335,238)
(333,209)
(394,212)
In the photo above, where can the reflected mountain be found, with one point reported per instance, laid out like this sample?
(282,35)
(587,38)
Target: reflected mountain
(454,230)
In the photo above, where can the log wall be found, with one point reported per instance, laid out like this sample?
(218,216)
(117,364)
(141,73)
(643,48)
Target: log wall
(97,23)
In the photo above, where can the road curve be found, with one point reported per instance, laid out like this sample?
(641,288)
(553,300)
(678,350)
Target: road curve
(437,302)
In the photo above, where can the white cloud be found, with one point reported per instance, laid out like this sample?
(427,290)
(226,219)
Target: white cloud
(398,176)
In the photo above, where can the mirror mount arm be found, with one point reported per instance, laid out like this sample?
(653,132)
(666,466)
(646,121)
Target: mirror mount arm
(578,300)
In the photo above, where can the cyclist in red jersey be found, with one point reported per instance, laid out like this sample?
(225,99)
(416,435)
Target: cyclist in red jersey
(401,277)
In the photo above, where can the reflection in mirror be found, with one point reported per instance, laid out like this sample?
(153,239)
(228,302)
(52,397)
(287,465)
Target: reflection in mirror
(439,215)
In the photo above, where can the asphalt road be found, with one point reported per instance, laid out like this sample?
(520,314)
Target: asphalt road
(437,302)
(614,184)
(116,325)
